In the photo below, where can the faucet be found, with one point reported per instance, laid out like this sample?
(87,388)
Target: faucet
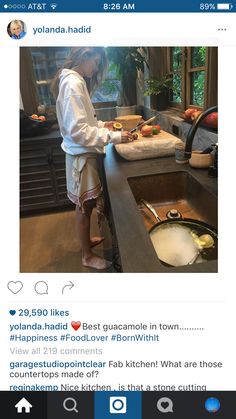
(193,129)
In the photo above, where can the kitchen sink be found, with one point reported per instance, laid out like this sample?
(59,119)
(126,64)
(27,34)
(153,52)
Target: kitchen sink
(173,190)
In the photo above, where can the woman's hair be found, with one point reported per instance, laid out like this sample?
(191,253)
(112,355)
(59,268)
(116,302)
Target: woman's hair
(78,56)
(16,23)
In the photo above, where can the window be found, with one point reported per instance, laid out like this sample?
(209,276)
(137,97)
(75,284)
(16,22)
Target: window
(45,61)
(197,75)
(109,91)
(194,75)
(176,67)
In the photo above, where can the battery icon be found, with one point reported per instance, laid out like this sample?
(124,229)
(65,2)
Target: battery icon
(224,6)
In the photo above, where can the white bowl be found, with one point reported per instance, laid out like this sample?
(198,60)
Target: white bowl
(200,161)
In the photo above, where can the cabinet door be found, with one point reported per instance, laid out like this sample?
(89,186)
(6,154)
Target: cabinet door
(42,175)
(59,174)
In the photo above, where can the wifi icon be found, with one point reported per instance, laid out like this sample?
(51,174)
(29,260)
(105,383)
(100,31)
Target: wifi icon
(53,6)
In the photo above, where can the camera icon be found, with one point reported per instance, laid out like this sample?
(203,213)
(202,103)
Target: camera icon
(118,404)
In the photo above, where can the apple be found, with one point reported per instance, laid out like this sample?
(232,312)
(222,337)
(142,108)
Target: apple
(211,120)
(188,112)
(146,130)
(195,115)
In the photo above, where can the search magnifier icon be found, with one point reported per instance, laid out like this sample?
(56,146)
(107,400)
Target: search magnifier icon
(70,405)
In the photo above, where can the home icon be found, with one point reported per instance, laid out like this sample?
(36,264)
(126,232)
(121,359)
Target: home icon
(23,406)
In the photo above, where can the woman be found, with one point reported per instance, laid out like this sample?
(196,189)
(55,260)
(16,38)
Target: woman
(16,29)
(84,138)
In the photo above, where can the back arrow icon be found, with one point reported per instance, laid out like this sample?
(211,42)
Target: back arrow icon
(70,285)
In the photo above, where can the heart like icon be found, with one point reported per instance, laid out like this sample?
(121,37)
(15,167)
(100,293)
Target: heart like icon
(15,287)
(12,312)
(76,325)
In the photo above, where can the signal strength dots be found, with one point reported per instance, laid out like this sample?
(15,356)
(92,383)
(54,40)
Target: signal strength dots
(53,6)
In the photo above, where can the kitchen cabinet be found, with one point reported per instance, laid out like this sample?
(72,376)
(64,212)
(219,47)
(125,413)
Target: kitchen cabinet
(42,174)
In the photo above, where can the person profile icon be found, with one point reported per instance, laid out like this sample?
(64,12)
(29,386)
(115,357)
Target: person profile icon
(16,29)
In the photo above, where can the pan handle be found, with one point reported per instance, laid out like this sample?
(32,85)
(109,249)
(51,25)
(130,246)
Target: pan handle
(150,207)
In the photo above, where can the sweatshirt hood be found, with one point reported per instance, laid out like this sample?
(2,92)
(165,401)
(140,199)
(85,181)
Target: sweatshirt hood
(67,72)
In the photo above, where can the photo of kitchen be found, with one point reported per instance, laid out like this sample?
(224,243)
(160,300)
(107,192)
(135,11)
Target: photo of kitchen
(118,159)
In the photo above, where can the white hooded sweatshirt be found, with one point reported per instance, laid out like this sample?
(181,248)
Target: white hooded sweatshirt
(80,130)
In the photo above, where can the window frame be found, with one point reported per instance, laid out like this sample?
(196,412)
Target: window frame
(181,71)
(189,71)
(186,71)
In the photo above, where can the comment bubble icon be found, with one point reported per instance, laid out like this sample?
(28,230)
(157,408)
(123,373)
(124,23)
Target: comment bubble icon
(41,287)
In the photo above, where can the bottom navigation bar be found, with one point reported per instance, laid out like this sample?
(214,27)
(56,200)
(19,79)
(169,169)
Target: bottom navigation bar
(129,405)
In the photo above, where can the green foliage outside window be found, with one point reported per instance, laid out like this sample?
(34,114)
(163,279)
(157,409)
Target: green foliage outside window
(197,78)
(176,88)
(176,58)
(198,56)
(197,88)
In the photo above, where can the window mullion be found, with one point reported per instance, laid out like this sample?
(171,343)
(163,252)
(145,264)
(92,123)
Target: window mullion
(183,71)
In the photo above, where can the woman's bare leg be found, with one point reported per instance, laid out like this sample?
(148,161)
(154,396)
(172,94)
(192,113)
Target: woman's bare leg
(96,240)
(89,259)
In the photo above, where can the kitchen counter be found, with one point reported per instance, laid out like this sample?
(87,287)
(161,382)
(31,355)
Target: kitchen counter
(135,247)
(51,134)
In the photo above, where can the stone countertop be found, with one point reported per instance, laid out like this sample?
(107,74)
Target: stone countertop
(135,247)
(52,134)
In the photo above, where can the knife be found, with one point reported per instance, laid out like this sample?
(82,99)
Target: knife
(144,123)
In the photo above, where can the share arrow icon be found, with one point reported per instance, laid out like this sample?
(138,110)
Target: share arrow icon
(68,286)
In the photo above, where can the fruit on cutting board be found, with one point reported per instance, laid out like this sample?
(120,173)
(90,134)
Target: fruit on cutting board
(146,130)
(117,126)
(156,129)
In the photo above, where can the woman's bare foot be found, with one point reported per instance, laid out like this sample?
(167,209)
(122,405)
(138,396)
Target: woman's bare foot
(95,241)
(95,262)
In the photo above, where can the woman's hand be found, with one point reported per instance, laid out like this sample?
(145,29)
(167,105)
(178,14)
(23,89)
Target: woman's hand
(127,137)
(109,125)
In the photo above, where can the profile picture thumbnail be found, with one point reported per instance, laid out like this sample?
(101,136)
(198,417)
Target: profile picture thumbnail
(16,29)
